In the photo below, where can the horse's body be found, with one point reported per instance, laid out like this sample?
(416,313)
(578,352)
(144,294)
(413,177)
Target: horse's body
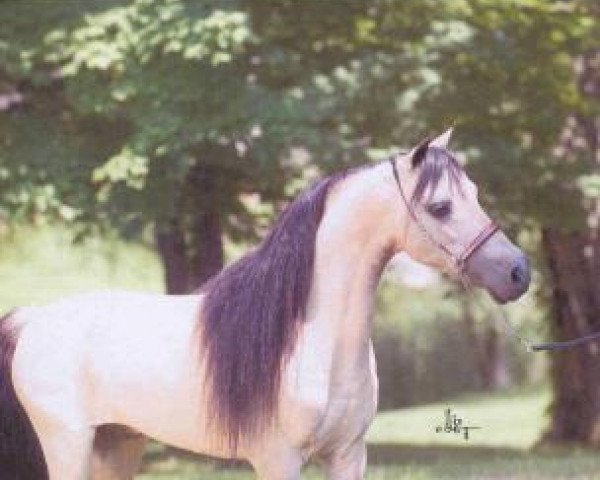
(137,360)
(80,364)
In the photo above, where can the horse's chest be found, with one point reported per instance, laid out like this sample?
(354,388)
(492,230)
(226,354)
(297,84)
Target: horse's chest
(348,415)
(334,411)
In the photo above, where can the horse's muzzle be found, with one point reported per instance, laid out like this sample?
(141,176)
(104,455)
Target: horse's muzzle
(499,267)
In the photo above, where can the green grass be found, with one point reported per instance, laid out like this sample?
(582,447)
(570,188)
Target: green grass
(507,419)
(403,444)
(430,465)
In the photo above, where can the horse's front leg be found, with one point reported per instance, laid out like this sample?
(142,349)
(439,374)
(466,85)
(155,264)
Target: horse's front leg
(278,462)
(63,433)
(67,451)
(349,463)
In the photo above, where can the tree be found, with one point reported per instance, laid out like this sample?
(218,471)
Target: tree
(171,113)
(156,113)
(521,80)
(573,257)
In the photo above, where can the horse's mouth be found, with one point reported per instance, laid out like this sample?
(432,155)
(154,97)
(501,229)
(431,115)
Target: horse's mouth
(510,295)
(502,300)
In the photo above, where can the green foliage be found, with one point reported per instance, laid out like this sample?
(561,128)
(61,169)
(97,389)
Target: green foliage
(509,84)
(590,185)
(134,97)
(123,99)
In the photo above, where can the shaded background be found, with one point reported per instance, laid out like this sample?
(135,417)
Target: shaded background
(143,144)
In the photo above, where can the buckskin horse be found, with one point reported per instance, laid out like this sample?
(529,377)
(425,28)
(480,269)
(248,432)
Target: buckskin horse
(270,361)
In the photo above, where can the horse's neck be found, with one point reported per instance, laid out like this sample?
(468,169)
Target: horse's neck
(352,248)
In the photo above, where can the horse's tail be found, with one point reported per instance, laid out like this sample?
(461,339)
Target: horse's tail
(21,456)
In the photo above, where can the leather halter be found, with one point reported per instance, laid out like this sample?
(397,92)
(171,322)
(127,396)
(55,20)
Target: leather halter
(460,263)
(475,244)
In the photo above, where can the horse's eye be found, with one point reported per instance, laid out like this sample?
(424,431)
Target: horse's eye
(440,210)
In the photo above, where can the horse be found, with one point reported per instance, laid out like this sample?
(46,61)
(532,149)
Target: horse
(271,361)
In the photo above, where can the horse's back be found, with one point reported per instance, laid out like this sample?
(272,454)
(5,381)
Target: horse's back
(106,323)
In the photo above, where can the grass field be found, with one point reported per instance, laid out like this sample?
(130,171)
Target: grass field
(403,444)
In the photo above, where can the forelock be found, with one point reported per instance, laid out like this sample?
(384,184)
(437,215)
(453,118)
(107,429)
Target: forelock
(435,164)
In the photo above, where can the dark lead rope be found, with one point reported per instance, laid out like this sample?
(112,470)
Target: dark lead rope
(460,262)
(543,347)
(575,342)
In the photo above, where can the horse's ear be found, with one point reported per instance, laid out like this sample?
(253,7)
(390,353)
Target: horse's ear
(418,153)
(443,140)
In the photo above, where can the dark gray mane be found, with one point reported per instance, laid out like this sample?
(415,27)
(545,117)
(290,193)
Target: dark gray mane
(251,315)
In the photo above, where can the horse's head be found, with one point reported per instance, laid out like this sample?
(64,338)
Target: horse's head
(446,228)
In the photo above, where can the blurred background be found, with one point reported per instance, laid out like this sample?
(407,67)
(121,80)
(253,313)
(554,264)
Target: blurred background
(144,144)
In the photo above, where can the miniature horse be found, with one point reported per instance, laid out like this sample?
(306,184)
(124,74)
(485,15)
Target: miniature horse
(271,361)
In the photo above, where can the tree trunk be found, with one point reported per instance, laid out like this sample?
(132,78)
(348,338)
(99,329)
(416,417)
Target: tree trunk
(171,247)
(574,263)
(207,259)
(191,247)
(206,249)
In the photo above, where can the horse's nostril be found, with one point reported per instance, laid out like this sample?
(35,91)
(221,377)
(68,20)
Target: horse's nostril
(520,274)
(517,275)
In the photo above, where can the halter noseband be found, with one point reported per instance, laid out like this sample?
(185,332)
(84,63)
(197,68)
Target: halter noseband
(460,261)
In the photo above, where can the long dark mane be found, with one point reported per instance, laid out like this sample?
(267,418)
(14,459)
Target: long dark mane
(251,314)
